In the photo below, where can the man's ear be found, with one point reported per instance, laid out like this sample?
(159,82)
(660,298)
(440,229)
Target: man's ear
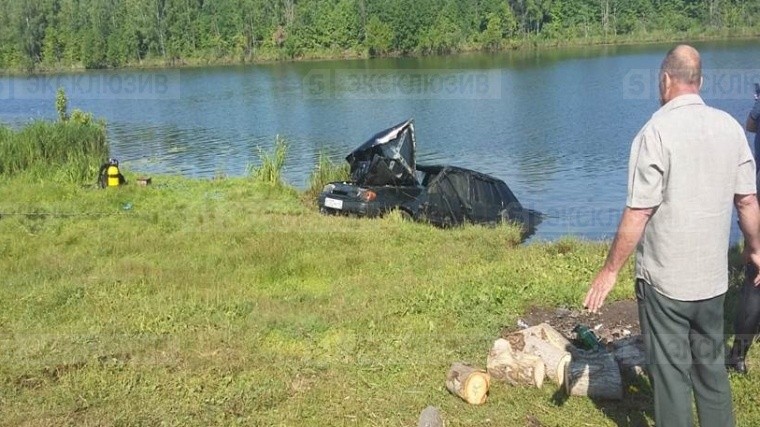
(665,83)
(701,82)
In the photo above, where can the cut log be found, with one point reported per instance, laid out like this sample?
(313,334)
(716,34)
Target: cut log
(471,384)
(555,359)
(545,332)
(547,343)
(631,356)
(515,368)
(594,374)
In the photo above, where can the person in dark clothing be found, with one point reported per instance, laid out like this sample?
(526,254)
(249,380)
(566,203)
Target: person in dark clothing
(746,322)
(751,125)
(748,313)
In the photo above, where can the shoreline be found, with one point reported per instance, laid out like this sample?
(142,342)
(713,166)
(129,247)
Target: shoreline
(525,45)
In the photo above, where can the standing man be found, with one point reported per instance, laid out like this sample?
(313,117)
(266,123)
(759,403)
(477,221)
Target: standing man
(748,311)
(689,164)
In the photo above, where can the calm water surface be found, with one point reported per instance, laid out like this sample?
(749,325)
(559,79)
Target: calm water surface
(555,125)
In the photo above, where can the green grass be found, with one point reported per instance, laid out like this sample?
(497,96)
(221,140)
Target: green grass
(325,171)
(269,171)
(231,302)
(62,151)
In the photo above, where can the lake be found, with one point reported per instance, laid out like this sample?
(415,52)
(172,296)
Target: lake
(556,125)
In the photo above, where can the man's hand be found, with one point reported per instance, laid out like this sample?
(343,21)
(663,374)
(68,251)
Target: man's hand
(600,287)
(628,234)
(754,258)
(748,211)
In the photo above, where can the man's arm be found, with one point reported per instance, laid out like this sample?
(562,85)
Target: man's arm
(629,232)
(751,125)
(749,222)
(754,114)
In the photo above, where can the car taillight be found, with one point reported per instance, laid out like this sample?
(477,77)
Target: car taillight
(367,195)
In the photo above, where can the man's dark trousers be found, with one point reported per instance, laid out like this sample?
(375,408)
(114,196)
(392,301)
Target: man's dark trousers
(685,353)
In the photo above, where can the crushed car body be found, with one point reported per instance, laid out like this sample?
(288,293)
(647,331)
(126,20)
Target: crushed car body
(386,159)
(384,177)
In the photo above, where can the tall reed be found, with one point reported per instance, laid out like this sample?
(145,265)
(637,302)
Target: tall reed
(269,171)
(40,147)
(325,171)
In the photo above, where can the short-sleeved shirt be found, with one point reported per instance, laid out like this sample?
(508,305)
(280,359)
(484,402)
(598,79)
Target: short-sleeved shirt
(688,162)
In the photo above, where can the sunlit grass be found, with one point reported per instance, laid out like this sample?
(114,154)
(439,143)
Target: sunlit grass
(229,302)
(325,171)
(270,169)
(62,151)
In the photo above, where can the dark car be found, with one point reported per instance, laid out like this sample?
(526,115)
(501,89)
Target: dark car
(384,178)
(455,195)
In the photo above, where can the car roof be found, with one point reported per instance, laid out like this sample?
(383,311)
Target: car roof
(456,169)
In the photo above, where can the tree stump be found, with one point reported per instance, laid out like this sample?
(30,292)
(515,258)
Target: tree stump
(515,368)
(594,374)
(471,384)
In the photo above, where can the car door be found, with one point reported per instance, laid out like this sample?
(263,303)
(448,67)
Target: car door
(447,198)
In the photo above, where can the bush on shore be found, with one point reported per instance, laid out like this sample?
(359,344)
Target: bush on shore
(69,151)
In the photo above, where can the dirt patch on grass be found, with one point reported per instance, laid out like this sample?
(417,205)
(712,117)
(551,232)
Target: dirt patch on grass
(616,320)
(52,374)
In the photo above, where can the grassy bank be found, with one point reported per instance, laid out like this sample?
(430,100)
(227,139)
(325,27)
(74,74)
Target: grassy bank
(227,302)
(64,151)
(233,302)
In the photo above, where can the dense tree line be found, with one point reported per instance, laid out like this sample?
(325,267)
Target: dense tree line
(113,33)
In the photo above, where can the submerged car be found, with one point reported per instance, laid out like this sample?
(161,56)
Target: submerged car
(384,177)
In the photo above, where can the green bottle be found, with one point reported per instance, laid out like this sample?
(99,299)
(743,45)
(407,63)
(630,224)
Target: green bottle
(586,338)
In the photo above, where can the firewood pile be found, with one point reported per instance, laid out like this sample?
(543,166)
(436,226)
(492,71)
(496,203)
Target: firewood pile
(530,356)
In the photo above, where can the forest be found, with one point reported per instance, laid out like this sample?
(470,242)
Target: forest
(60,34)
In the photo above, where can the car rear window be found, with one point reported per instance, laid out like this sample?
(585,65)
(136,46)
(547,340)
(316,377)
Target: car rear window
(507,196)
(485,192)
